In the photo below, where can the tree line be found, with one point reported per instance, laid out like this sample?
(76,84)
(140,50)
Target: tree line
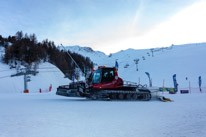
(26,49)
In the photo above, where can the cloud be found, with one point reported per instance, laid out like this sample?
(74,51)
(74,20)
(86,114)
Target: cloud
(187,26)
(107,25)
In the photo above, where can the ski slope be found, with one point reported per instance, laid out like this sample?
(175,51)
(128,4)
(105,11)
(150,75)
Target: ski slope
(186,61)
(48,75)
(48,115)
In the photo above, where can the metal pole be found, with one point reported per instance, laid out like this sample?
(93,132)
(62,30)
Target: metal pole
(25,83)
(163,83)
(139,80)
(190,87)
(72,59)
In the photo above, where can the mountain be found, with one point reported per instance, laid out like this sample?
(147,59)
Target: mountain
(49,75)
(86,51)
(186,61)
(39,113)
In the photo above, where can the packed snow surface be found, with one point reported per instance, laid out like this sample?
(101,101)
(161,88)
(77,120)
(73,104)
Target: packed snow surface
(48,115)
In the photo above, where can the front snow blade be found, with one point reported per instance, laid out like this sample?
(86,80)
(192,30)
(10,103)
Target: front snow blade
(67,92)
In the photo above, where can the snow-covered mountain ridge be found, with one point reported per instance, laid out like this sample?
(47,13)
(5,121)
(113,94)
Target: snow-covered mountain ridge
(187,61)
(85,51)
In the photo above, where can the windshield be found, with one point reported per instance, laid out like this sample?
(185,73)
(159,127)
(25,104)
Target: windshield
(96,76)
(105,75)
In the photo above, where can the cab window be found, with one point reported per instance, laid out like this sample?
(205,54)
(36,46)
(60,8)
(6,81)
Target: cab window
(108,75)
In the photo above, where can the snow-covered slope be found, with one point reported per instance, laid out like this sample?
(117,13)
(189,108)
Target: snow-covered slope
(43,115)
(47,115)
(48,75)
(87,52)
(186,61)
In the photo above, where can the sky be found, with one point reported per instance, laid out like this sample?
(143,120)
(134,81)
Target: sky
(107,25)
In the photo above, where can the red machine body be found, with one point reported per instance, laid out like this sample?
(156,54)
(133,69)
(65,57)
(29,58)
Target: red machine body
(105,78)
(104,83)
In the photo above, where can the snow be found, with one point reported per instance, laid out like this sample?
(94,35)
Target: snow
(48,75)
(183,60)
(40,115)
(2,51)
(87,52)
(48,115)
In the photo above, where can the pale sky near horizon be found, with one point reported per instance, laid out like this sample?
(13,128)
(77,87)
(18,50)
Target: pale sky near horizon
(107,25)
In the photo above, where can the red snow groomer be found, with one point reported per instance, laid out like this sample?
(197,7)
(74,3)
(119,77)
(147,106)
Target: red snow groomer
(104,83)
